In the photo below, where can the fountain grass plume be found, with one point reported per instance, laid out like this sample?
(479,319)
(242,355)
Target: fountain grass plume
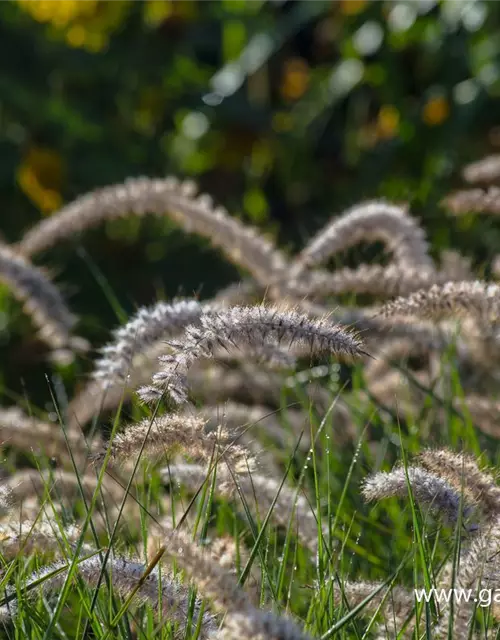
(428,488)
(368,221)
(473,201)
(43,302)
(242,619)
(479,300)
(376,280)
(260,491)
(461,470)
(171,433)
(486,170)
(168,598)
(179,200)
(148,326)
(246,326)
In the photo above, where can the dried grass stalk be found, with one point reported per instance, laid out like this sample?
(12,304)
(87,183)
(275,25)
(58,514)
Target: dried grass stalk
(369,221)
(428,488)
(462,471)
(259,491)
(42,301)
(242,619)
(29,434)
(168,598)
(168,434)
(376,280)
(486,170)
(148,326)
(479,300)
(240,326)
(60,484)
(473,201)
(138,196)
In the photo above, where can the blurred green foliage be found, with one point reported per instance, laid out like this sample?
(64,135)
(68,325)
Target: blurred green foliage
(286,112)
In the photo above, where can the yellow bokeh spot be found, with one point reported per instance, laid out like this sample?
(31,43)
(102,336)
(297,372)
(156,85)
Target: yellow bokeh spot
(387,122)
(76,35)
(40,176)
(41,11)
(295,79)
(156,11)
(352,7)
(436,111)
(82,23)
(51,200)
(96,40)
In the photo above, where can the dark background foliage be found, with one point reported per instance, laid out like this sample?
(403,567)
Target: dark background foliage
(286,112)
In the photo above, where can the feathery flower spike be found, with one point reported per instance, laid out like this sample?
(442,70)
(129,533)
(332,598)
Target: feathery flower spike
(244,245)
(484,410)
(461,470)
(27,433)
(260,491)
(375,220)
(42,301)
(427,488)
(168,598)
(171,432)
(479,300)
(473,201)
(246,326)
(395,604)
(378,280)
(40,535)
(147,326)
(242,619)
(31,482)
(486,170)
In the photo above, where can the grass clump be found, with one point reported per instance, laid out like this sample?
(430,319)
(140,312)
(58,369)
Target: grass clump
(301,466)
